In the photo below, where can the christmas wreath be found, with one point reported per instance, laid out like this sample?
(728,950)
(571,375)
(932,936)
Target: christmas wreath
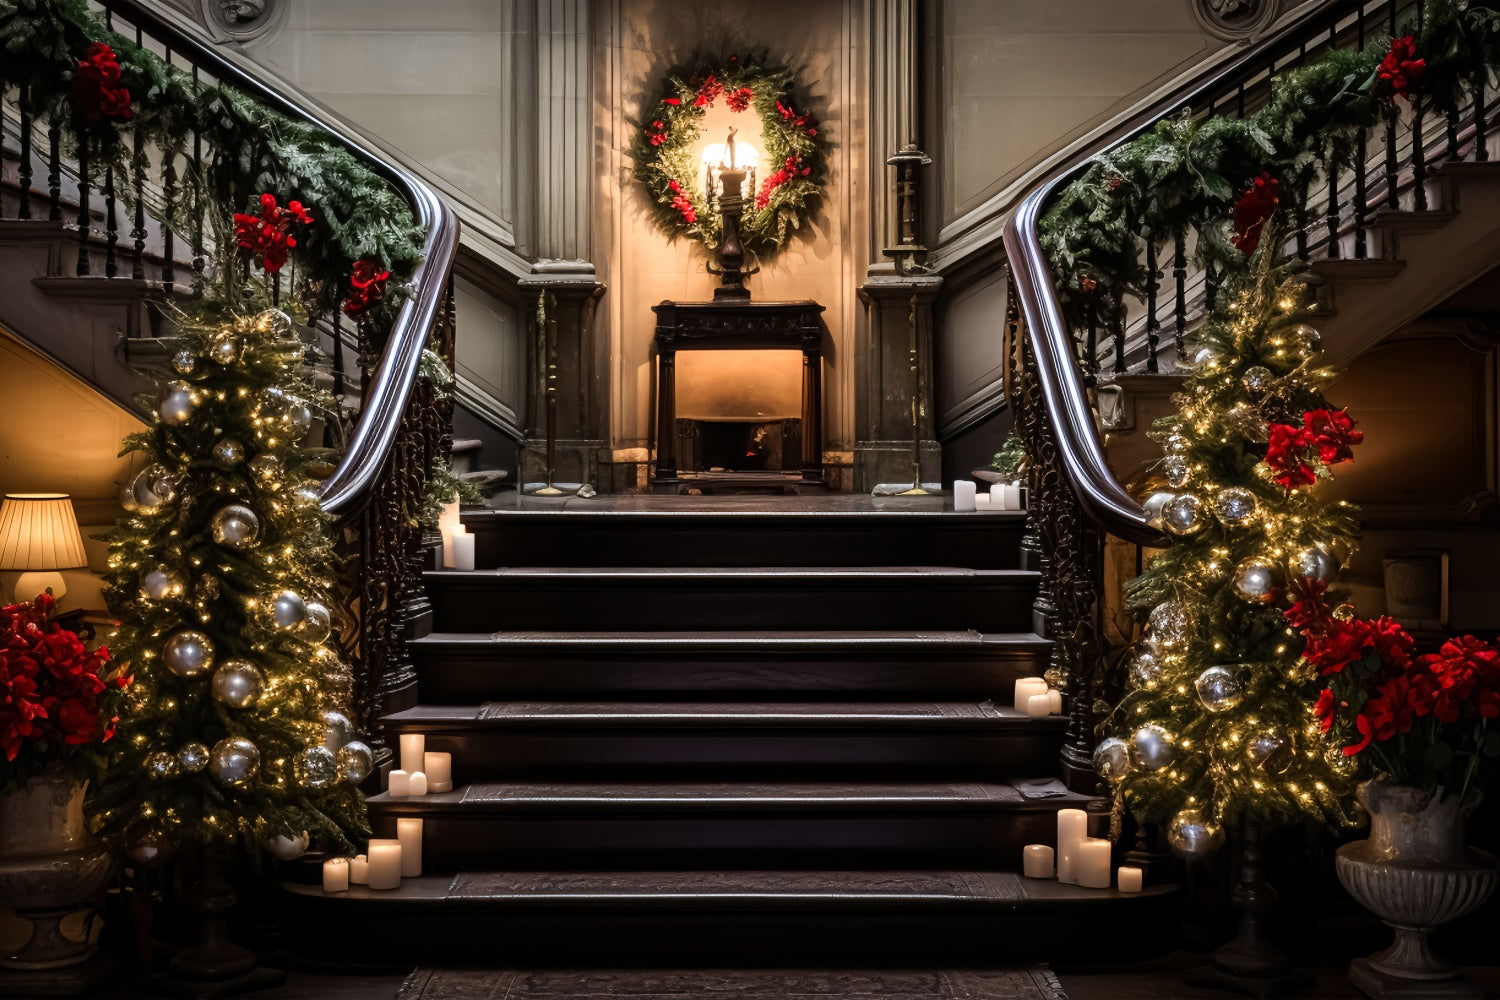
(788,179)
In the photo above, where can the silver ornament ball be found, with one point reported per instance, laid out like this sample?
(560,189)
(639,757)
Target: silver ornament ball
(265,467)
(1257,380)
(1206,355)
(228,452)
(299,417)
(236,526)
(1235,506)
(1152,747)
(1220,688)
(288,846)
(237,683)
(1193,837)
(224,349)
(234,762)
(185,362)
(337,730)
(1145,669)
(275,323)
(1175,444)
(177,406)
(309,494)
(189,653)
(355,761)
(162,765)
(1170,624)
(318,624)
(161,584)
(1255,581)
(1112,758)
(1247,421)
(288,610)
(1177,470)
(192,757)
(315,767)
(1313,563)
(1270,753)
(1183,515)
(1306,340)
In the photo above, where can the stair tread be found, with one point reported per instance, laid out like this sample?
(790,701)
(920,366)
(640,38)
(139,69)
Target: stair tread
(736,572)
(794,639)
(727,795)
(716,714)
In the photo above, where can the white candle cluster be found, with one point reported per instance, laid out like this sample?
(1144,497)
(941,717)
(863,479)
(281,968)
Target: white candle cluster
(1081,859)
(386,862)
(458,544)
(1000,496)
(421,770)
(1035,698)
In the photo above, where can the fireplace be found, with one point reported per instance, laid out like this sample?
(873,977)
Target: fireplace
(725,444)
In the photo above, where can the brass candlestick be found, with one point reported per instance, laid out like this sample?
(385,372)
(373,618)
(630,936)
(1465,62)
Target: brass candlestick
(731,199)
(910,257)
(548,325)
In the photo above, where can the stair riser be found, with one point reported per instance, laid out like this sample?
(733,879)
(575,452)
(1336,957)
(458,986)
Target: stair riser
(749,754)
(488,604)
(749,839)
(727,540)
(456,677)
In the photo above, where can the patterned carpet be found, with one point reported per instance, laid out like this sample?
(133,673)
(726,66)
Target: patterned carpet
(736,984)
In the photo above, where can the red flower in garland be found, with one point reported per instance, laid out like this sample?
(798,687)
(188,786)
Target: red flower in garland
(1251,210)
(671,100)
(1087,284)
(791,168)
(1284,454)
(1332,433)
(708,92)
(96,86)
(267,238)
(366,288)
(1400,72)
(740,99)
(1324,709)
(681,202)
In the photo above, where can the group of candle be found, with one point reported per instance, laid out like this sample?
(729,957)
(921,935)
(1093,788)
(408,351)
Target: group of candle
(458,544)
(1081,859)
(385,863)
(1036,699)
(421,770)
(1001,496)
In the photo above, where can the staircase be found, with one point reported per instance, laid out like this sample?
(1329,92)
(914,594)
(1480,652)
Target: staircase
(689,730)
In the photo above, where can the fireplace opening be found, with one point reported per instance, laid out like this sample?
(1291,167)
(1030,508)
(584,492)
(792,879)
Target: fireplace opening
(721,444)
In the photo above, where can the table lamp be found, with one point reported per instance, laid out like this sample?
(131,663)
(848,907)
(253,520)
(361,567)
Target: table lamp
(39,536)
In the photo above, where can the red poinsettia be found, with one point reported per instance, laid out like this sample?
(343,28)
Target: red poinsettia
(1285,453)
(1087,285)
(50,684)
(681,202)
(708,91)
(1328,435)
(1400,72)
(1251,210)
(366,288)
(1332,433)
(267,238)
(97,92)
(739,100)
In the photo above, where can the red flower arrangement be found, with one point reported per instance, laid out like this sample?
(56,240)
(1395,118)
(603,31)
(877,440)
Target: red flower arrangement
(740,99)
(1329,433)
(96,86)
(366,288)
(657,133)
(792,168)
(1400,72)
(267,238)
(1251,210)
(682,203)
(50,684)
(708,92)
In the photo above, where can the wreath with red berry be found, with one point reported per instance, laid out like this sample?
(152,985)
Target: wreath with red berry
(789,176)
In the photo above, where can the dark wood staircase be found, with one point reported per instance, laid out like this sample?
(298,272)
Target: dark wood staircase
(747,730)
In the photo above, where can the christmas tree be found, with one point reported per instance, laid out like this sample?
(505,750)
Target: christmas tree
(236,725)
(1216,725)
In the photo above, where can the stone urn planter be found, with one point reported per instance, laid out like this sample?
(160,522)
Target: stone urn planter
(49,866)
(1416,874)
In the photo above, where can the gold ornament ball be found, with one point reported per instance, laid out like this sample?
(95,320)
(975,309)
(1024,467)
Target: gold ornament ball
(237,683)
(1183,516)
(234,762)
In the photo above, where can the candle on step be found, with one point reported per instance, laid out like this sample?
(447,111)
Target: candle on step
(359,870)
(409,832)
(1072,829)
(439,768)
(1009,496)
(1054,701)
(384,869)
(461,544)
(982,501)
(1039,706)
(336,875)
(1129,878)
(418,783)
(963,494)
(1025,688)
(413,746)
(1036,861)
(1091,863)
(449,524)
(398,785)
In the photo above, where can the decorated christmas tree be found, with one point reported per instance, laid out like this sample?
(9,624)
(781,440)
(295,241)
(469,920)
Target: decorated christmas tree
(1217,725)
(236,725)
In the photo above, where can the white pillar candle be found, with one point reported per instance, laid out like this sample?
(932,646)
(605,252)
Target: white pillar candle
(409,832)
(418,783)
(1129,878)
(1025,688)
(963,494)
(1054,701)
(398,785)
(359,870)
(1036,861)
(1009,496)
(336,875)
(1039,706)
(462,544)
(413,746)
(438,766)
(384,864)
(982,501)
(1091,863)
(1072,829)
(448,524)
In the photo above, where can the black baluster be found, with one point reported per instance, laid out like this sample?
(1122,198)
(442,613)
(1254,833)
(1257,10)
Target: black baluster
(1481,147)
(168,237)
(1392,167)
(138,231)
(1179,271)
(1153,331)
(1299,213)
(23,211)
(1210,288)
(54,170)
(338,353)
(1333,205)
(1091,347)
(83,207)
(1453,134)
(1361,198)
(111,224)
(1119,332)
(198,255)
(1239,102)
(276,290)
(1418,145)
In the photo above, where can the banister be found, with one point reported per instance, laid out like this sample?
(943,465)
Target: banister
(396,372)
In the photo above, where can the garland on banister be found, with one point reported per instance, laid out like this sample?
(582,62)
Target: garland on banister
(102,91)
(1221,177)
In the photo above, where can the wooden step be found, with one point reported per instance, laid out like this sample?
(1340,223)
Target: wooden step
(769,598)
(731,531)
(529,824)
(466,668)
(889,917)
(764,740)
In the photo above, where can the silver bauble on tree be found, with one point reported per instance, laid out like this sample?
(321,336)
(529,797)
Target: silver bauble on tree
(308,494)
(1169,624)
(1184,516)
(274,323)
(192,757)
(162,766)
(1152,747)
(266,467)
(1220,688)
(189,653)
(1155,504)
(337,730)
(1269,752)
(228,452)
(1255,581)
(299,417)
(162,584)
(1191,836)
(1235,506)
(288,610)
(288,846)
(318,625)
(177,405)
(1112,758)
(1247,421)
(355,761)
(1145,669)
(315,767)
(1305,340)
(1177,471)
(237,683)
(185,362)
(235,526)
(224,348)
(1176,444)
(1257,380)
(1313,563)
(234,762)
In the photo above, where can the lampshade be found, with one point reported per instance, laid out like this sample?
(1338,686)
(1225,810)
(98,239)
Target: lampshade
(39,535)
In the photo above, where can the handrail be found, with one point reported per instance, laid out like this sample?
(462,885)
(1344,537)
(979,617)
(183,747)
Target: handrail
(395,373)
(1082,456)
